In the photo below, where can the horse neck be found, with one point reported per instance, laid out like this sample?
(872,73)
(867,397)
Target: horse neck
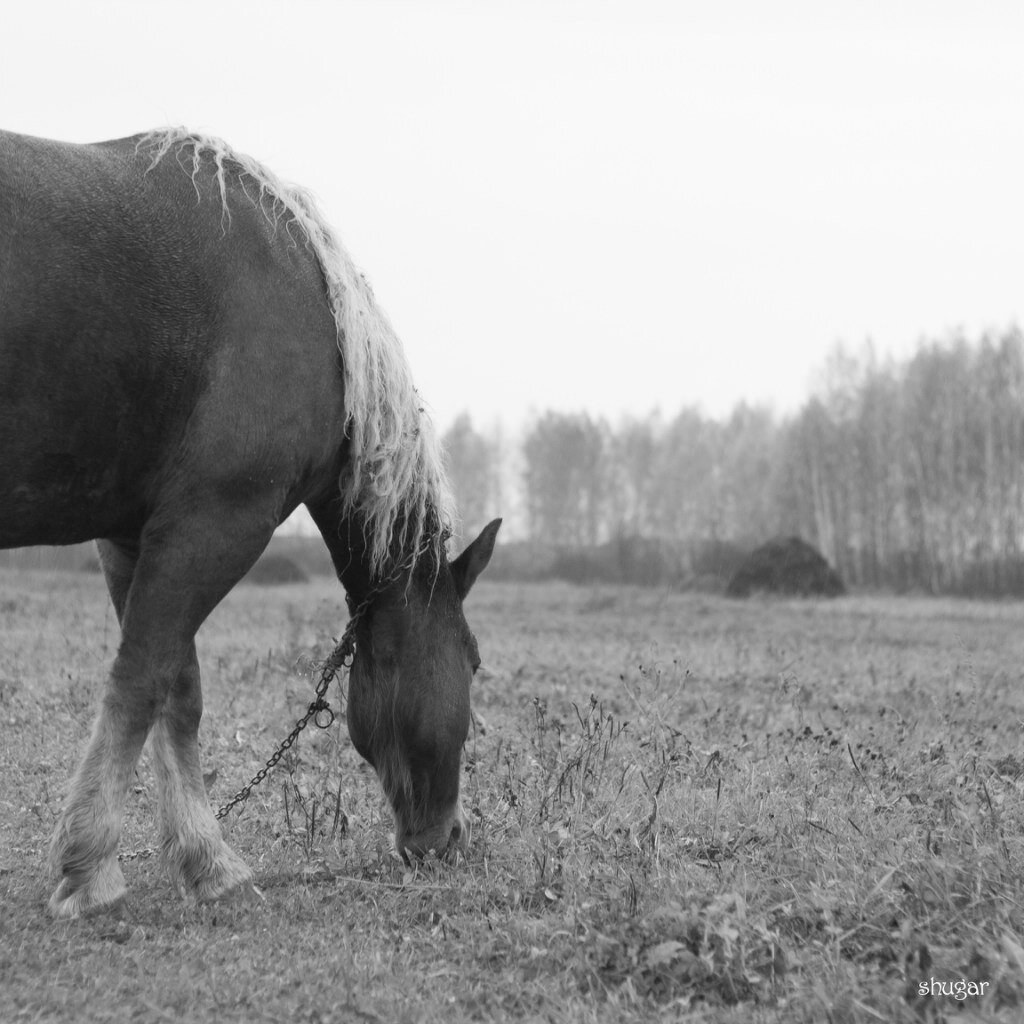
(350,548)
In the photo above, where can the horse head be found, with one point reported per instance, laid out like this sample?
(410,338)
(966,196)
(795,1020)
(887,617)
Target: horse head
(408,698)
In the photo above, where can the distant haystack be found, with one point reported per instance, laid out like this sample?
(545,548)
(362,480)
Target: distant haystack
(786,565)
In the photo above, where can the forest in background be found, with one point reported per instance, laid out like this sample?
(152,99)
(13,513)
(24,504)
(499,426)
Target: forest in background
(906,475)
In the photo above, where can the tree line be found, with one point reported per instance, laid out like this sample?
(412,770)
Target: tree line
(905,474)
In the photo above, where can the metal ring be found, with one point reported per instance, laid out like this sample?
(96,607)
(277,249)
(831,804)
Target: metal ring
(327,721)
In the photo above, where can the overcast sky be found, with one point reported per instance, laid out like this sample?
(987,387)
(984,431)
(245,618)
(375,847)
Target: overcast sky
(605,206)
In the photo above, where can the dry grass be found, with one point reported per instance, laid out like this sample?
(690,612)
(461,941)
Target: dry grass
(683,807)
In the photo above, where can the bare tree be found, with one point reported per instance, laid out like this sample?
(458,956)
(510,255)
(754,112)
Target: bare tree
(564,476)
(474,468)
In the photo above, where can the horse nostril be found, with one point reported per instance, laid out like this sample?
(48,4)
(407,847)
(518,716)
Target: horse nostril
(456,831)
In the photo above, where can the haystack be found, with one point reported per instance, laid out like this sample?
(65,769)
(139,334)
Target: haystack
(786,565)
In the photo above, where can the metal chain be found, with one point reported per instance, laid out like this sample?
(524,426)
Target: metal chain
(341,657)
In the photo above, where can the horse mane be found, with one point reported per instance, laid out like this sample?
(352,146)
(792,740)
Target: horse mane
(395,481)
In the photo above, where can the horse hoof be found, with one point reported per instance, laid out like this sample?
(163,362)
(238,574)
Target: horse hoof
(103,889)
(230,876)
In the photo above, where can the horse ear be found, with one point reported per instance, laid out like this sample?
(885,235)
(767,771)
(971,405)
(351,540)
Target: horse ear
(474,559)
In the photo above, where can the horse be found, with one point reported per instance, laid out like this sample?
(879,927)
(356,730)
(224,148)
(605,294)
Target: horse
(187,355)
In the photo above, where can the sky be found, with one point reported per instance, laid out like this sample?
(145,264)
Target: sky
(610,206)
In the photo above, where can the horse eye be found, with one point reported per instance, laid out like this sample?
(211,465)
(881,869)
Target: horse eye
(474,654)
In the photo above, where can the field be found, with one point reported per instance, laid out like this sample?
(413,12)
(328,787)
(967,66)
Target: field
(684,807)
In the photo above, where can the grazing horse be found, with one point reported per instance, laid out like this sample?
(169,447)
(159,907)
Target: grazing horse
(187,354)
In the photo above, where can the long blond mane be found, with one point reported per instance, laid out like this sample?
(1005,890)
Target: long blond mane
(395,482)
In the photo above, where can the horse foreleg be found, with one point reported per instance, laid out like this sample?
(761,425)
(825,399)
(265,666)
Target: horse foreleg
(162,595)
(84,847)
(200,863)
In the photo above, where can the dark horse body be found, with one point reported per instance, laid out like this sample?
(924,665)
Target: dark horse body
(171,384)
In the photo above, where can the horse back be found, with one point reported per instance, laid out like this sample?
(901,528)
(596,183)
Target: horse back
(157,334)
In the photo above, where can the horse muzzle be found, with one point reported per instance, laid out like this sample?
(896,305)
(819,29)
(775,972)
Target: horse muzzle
(445,840)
